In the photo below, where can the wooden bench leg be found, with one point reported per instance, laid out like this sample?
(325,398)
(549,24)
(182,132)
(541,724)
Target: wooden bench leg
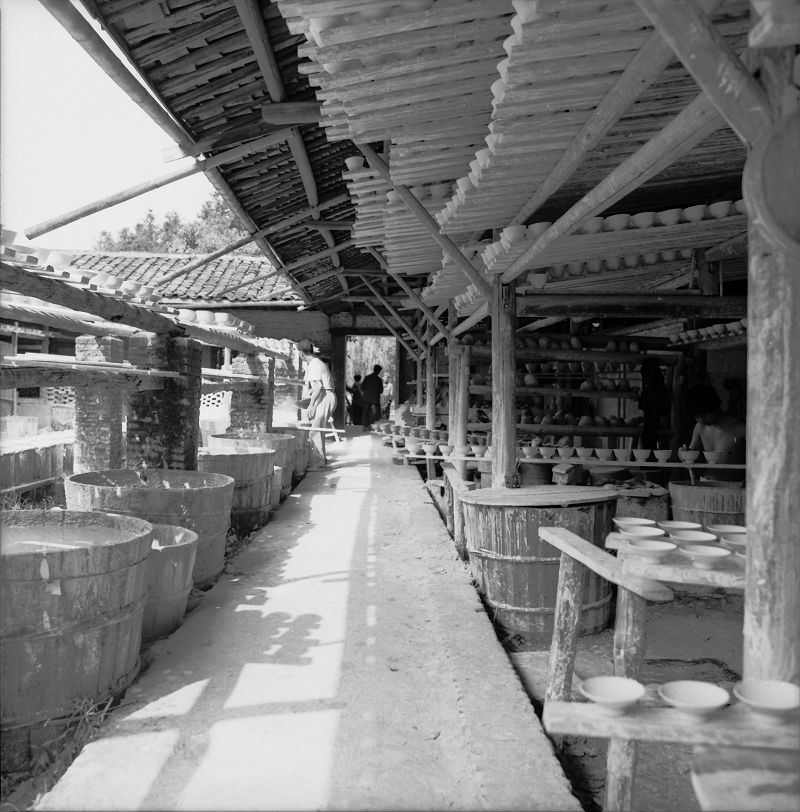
(567,621)
(629,644)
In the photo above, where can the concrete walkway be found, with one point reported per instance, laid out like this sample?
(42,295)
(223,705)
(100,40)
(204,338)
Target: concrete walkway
(347,663)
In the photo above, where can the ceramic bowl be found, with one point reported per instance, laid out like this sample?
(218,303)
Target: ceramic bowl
(650,551)
(720,530)
(639,532)
(430,448)
(736,543)
(478,450)
(704,557)
(205,316)
(739,206)
(670,217)
(669,256)
(622,454)
(565,451)
(670,525)
(773,700)
(692,537)
(445,450)
(615,694)
(591,226)
(693,697)
(603,453)
(528,452)
(223,318)
(644,219)
(693,214)
(631,260)
(584,453)
(685,455)
(632,521)
(662,454)
(616,222)
(413,445)
(613,263)
(721,208)
(716,457)
(650,258)
(187,315)
(547,451)
(642,454)
(131,288)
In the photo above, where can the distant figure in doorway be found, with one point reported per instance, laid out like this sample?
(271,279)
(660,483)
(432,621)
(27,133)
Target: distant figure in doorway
(356,401)
(653,401)
(371,391)
(715,430)
(318,383)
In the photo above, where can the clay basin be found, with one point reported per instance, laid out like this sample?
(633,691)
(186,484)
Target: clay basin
(736,543)
(615,694)
(644,219)
(641,454)
(685,455)
(430,448)
(413,445)
(478,450)
(547,451)
(773,700)
(704,557)
(650,551)
(584,453)
(694,697)
(622,522)
(693,214)
(528,451)
(616,222)
(565,451)
(603,453)
(670,217)
(720,209)
(662,454)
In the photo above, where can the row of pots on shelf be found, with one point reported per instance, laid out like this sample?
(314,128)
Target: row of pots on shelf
(216,319)
(731,328)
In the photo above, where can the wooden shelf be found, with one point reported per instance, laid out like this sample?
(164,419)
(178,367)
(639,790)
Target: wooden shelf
(583,355)
(721,343)
(481,389)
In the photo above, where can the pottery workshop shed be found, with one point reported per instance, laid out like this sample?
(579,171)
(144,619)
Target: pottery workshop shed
(537,199)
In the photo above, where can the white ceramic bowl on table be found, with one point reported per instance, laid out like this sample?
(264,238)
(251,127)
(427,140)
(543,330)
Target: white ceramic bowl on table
(615,694)
(692,537)
(670,217)
(704,557)
(773,700)
(641,454)
(565,451)
(650,550)
(547,451)
(584,453)
(686,455)
(633,521)
(642,532)
(720,530)
(736,542)
(662,454)
(603,453)
(673,524)
(694,697)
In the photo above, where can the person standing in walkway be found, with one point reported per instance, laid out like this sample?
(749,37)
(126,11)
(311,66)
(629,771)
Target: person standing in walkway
(356,400)
(371,390)
(318,383)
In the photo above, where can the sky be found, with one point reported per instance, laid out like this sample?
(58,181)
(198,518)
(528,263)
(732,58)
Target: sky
(69,136)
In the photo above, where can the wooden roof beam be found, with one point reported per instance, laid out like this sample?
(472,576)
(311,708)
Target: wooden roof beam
(411,293)
(330,225)
(645,67)
(388,305)
(712,62)
(291,113)
(413,353)
(115,199)
(621,305)
(696,122)
(427,222)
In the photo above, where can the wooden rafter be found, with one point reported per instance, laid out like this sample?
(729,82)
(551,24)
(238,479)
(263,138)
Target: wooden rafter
(411,351)
(388,305)
(611,305)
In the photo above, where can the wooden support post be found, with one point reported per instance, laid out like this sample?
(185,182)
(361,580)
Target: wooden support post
(338,363)
(629,645)
(569,600)
(458,424)
(772,599)
(452,372)
(420,381)
(428,223)
(430,390)
(504,415)
(712,62)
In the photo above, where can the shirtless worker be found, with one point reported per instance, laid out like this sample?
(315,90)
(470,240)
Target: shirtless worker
(715,430)
(322,399)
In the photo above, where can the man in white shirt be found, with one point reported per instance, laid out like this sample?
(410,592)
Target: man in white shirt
(318,383)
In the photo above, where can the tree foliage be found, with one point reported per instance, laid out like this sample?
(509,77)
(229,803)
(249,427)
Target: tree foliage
(214,227)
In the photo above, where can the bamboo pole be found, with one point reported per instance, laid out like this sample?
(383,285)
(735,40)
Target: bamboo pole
(154,183)
(504,421)
(697,121)
(428,223)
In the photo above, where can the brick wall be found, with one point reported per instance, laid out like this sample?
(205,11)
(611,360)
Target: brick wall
(252,408)
(164,423)
(98,409)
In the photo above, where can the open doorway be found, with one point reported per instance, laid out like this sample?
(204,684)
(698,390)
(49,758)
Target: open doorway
(362,353)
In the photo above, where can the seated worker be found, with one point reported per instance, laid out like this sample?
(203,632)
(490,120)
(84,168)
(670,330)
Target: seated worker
(715,430)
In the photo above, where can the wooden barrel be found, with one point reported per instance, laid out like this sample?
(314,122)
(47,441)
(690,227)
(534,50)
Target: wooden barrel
(302,453)
(708,502)
(517,572)
(643,503)
(275,489)
(191,499)
(281,444)
(72,594)
(169,579)
(252,472)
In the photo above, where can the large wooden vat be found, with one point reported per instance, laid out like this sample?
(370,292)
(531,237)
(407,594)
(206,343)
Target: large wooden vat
(169,579)
(281,444)
(252,472)
(517,572)
(302,452)
(193,499)
(643,503)
(72,595)
(708,502)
